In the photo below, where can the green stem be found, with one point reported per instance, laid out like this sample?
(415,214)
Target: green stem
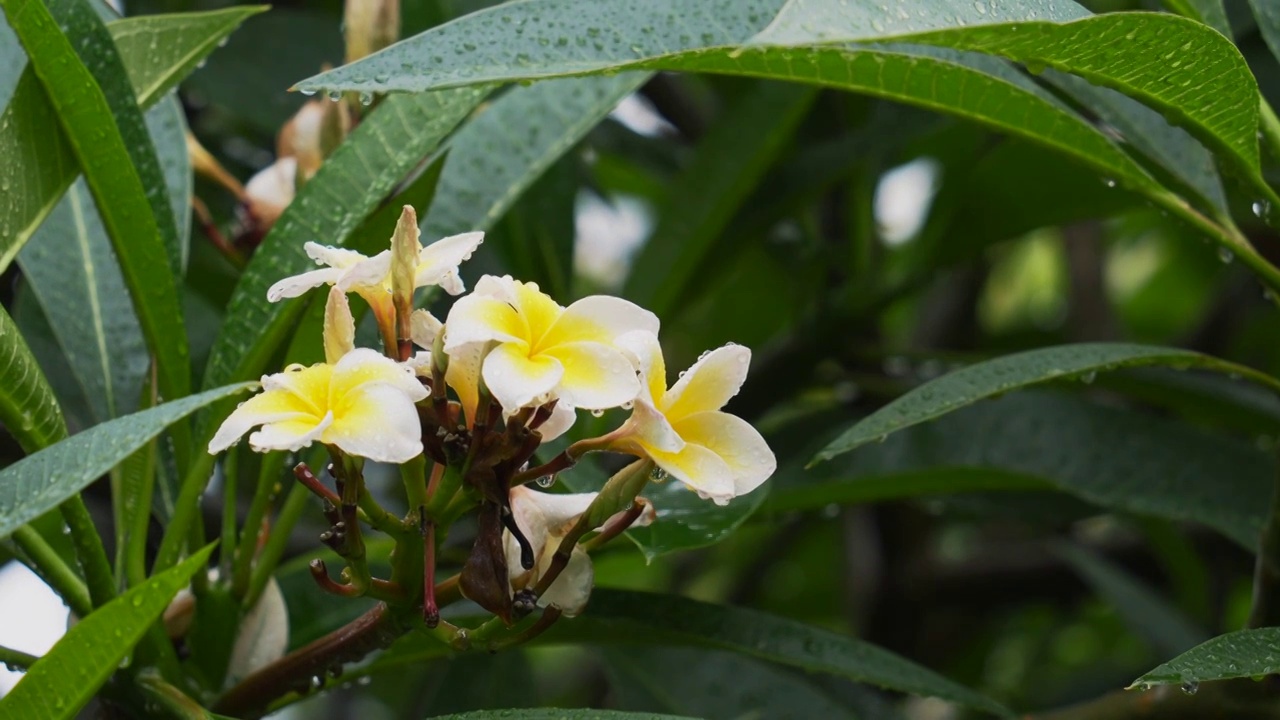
(1269,127)
(185,512)
(379,517)
(268,474)
(135,550)
(227,547)
(1230,239)
(89,550)
(1266,575)
(290,511)
(16,659)
(170,700)
(49,565)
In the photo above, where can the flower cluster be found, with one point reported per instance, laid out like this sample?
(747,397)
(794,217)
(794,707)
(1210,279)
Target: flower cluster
(466,411)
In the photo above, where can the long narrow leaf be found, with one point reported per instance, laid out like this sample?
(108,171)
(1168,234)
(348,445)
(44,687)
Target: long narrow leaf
(1011,372)
(40,481)
(59,684)
(28,409)
(37,163)
(122,200)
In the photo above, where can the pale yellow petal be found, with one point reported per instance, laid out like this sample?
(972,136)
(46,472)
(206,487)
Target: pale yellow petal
(537,309)
(563,415)
(374,272)
(463,375)
(307,386)
(423,328)
(267,407)
(363,366)
(598,318)
(701,470)
(596,376)
(377,422)
(642,347)
(339,327)
(648,430)
(481,318)
(290,435)
(339,258)
(515,380)
(709,383)
(737,443)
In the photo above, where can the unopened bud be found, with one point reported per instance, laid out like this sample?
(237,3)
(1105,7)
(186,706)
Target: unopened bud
(312,134)
(370,26)
(339,327)
(270,191)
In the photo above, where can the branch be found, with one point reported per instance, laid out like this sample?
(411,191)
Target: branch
(1266,573)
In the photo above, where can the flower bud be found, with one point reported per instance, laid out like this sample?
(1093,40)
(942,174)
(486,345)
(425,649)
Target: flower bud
(370,26)
(339,327)
(312,134)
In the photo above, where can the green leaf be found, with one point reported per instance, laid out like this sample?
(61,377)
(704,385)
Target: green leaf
(123,202)
(48,354)
(496,156)
(1268,16)
(28,409)
(704,198)
(1011,372)
(715,685)
(685,521)
(1148,132)
(1209,12)
(553,714)
(1121,460)
(37,163)
(59,684)
(1245,653)
(1154,618)
(358,176)
(159,50)
(73,272)
(559,38)
(898,485)
(40,481)
(640,618)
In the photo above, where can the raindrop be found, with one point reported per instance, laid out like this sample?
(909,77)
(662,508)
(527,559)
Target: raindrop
(1089,377)
(335,95)
(597,413)
(308,93)
(547,481)
(1261,208)
(1225,255)
(658,474)
(1109,182)
(366,98)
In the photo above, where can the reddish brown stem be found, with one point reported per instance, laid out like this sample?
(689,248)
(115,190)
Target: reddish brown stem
(618,526)
(557,464)
(309,479)
(430,610)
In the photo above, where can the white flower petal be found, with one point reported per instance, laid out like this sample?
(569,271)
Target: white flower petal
(452,283)
(643,349)
(563,415)
(338,258)
(572,588)
(515,380)
(423,328)
(651,429)
(709,383)
(443,257)
(420,363)
(374,271)
(559,510)
(296,285)
(463,375)
(263,636)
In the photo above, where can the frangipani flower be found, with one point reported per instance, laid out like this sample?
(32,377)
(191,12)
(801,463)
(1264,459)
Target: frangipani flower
(543,351)
(682,428)
(370,277)
(545,518)
(363,404)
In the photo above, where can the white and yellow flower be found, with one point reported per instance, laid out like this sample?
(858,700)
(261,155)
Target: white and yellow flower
(370,277)
(682,428)
(363,404)
(540,350)
(545,519)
